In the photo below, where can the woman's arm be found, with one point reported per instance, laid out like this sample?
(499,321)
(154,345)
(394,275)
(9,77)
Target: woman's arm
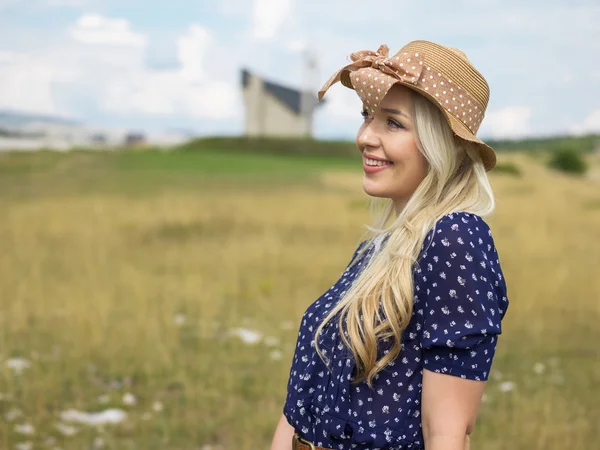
(449,410)
(282,439)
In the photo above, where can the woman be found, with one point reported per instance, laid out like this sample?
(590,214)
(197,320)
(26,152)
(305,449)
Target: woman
(421,302)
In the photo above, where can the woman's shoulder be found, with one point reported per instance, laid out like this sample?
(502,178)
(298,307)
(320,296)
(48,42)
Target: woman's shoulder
(457,232)
(459,223)
(458,217)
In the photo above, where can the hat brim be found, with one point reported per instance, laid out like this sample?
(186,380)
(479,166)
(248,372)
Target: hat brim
(366,75)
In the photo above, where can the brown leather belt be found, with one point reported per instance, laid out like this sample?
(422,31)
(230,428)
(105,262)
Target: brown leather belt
(299,443)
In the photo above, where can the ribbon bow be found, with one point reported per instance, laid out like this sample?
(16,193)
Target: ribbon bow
(402,67)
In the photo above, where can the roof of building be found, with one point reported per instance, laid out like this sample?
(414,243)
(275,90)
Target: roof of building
(288,96)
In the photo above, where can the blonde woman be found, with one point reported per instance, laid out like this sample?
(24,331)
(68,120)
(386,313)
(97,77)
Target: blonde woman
(395,355)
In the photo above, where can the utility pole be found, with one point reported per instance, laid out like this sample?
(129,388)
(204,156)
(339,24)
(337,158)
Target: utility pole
(310,80)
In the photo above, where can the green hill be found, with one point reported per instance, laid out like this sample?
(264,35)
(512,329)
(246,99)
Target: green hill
(332,148)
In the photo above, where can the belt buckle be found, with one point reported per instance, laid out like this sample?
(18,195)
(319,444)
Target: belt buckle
(297,439)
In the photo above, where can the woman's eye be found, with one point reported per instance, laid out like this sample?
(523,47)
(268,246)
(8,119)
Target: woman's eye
(390,122)
(395,124)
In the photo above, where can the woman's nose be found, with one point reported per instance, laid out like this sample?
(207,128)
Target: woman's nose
(368,136)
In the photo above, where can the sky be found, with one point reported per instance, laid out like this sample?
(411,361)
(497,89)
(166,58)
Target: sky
(175,65)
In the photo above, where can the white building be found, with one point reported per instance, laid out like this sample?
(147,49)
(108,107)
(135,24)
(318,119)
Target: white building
(276,110)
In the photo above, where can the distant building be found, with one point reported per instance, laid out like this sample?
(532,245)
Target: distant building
(98,139)
(133,139)
(21,131)
(276,110)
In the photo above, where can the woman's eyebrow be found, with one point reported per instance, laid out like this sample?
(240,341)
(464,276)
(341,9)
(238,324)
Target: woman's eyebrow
(394,111)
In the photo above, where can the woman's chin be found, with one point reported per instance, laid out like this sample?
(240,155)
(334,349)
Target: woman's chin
(374,189)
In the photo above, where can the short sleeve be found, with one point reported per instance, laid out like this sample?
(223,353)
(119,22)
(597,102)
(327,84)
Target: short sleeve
(463,296)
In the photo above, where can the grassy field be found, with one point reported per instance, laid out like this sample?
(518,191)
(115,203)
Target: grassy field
(163,292)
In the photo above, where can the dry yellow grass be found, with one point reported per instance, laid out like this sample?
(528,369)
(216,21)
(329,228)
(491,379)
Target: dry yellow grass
(107,295)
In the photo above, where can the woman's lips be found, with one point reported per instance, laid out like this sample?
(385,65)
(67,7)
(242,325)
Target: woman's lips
(375,169)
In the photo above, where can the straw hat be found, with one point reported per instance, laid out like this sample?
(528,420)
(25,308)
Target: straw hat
(442,74)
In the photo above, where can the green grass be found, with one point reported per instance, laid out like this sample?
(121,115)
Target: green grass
(124,273)
(217,162)
(142,172)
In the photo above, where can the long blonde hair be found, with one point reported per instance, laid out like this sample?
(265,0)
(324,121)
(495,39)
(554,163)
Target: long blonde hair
(456,181)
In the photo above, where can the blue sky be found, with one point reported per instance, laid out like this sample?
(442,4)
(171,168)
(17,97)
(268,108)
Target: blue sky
(176,65)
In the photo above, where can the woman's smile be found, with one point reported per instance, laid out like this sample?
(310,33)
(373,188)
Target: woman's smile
(372,163)
(373,166)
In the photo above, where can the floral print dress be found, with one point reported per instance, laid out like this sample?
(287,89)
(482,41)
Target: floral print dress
(460,299)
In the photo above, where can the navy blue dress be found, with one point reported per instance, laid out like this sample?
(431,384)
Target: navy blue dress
(460,300)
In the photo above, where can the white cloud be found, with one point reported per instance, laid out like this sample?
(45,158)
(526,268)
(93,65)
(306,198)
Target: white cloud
(191,50)
(297,46)
(268,17)
(115,78)
(591,124)
(341,104)
(511,122)
(339,117)
(96,29)
(184,91)
(7,57)
(26,84)
(168,94)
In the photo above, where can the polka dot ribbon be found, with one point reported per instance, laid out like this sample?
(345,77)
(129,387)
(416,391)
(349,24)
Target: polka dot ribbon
(403,69)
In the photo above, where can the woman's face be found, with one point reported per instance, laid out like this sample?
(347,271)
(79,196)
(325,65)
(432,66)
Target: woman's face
(389,135)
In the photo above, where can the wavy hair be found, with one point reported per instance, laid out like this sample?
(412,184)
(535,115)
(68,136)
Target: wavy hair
(456,181)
